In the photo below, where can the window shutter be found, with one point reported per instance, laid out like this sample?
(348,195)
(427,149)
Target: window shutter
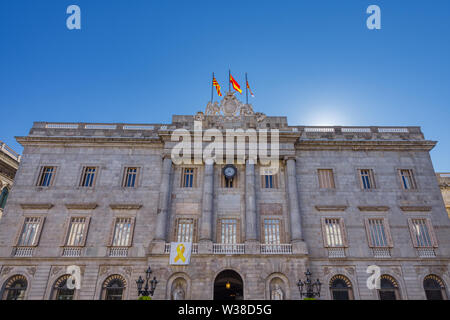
(387,230)
(344,232)
(369,237)
(41,225)
(432,234)
(66,231)
(238,230)
(111,232)
(133,220)
(412,232)
(86,231)
(219,231)
(324,233)
(19,233)
(195,232)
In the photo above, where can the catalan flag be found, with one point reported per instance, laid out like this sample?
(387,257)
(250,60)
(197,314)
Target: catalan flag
(236,85)
(248,87)
(217,86)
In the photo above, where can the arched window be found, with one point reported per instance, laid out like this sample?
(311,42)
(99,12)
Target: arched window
(434,288)
(113,288)
(3,197)
(389,288)
(15,288)
(60,289)
(341,288)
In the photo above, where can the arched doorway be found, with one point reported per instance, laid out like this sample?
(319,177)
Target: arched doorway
(228,286)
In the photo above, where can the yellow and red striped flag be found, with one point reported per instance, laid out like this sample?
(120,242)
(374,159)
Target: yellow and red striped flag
(236,85)
(217,86)
(251,93)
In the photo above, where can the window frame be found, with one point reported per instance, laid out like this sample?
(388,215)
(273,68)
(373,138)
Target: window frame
(413,180)
(430,229)
(219,229)
(194,177)
(371,177)
(333,179)
(113,228)
(281,236)
(125,176)
(67,230)
(41,173)
(194,228)
(342,229)
(83,172)
(38,233)
(387,231)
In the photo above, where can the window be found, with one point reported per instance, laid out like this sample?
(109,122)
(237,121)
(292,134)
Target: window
(122,232)
(60,289)
(113,288)
(15,288)
(188,178)
(185,230)
(407,179)
(229,231)
(326,178)
(378,232)
(46,177)
(367,179)
(76,236)
(434,288)
(421,232)
(341,288)
(333,230)
(272,231)
(130,179)
(3,197)
(30,232)
(388,288)
(269,181)
(88,177)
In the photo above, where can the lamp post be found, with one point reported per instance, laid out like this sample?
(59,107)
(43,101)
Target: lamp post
(147,291)
(312,289)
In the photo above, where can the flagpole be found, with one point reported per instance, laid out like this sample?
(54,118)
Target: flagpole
(229,80)
(246,87)
(212,88)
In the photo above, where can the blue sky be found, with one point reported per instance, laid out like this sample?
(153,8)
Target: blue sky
(141,61)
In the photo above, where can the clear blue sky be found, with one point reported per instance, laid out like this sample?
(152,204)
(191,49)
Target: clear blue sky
(142,61)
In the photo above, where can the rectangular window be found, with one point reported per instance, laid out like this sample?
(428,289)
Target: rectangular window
(188,178)
(326,178)
(272,231)
(122,232)
(377,232)
(76,235)
(229,231)
(333,232)
(421,233)
(45,179)
(30,232)
(367,179)
(185,231)
(269,181)
(88,177)
(130,179)
(407,179)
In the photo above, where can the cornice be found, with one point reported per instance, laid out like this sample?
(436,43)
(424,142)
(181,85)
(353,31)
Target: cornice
(373,208)
(36,206)
(125,206)
(91,141)
(415,208)
(81,206)
(361,145)
(331,207)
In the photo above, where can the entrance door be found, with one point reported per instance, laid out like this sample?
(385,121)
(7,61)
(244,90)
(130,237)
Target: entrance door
(228,286)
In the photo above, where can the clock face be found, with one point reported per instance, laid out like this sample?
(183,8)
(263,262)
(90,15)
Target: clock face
(229,171)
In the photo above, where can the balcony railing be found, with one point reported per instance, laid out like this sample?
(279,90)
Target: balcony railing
(71,252)
(381,252)
(194,248)
(336,252)
(118,252)
(228,248)
(285,248)
(426,253)
(23,252)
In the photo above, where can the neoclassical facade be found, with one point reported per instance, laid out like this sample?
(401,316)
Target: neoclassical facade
(444,184)
(9,163)
(109,199)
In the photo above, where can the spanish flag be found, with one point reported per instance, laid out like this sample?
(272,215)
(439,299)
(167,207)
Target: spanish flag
(248,87)
(216,84)
(236,85)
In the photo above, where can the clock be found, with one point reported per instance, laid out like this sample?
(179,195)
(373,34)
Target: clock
(229,171)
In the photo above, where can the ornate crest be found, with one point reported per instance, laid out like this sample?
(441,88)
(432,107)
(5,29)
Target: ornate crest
(230,108)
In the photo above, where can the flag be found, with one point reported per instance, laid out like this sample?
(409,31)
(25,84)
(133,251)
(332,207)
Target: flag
(217,85)
(236,85)
(251,93)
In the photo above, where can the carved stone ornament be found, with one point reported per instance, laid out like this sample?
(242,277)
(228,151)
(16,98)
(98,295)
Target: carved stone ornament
(31,270)
(200,116)
(6,270)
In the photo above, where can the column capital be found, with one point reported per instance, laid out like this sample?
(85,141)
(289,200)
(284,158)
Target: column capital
(286,158)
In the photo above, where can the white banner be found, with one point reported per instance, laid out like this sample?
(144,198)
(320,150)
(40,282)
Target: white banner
(180,253)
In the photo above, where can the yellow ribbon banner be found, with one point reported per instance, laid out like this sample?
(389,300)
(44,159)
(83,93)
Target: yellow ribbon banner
(180,253)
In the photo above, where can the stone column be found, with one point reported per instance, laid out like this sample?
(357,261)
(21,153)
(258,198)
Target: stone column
(294,210)
(164,197)
(207,204)
(251,227)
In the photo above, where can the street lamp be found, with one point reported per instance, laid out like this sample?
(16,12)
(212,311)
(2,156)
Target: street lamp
(148,291)
(312,288)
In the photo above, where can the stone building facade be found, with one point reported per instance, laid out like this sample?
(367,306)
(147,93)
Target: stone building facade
(9,163)
(444,184)
(344,198)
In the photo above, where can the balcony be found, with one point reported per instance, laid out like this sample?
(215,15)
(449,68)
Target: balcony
(228,248)
(71,252)
(116,252)
(381,252)
(23,252)
(285,248)
(426,253)
(336,253)
(194,248)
